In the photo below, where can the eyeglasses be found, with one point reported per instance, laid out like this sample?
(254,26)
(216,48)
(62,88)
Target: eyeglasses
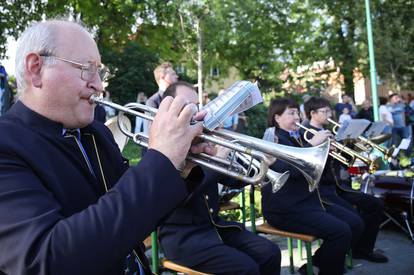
(324,111)
(88,70)
(293,113)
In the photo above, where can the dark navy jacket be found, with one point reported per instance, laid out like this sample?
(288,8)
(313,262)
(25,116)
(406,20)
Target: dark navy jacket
(294,196)
(55,218)
(195,226)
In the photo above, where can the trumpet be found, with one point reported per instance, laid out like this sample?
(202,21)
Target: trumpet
(372,164)
(386,152)
(310,161)
(277,180)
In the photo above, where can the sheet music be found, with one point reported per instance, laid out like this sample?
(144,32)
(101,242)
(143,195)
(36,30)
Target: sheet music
(405,142)
(352,129)
(375,129)
(241,96)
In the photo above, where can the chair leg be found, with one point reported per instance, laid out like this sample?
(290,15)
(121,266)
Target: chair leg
(349,264)
(290,249)
(309,266)
(252,209)
(243,206)
(154,252)
(300,249)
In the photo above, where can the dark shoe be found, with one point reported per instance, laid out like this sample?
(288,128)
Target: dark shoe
(374,257)
(315,263)
(302,270)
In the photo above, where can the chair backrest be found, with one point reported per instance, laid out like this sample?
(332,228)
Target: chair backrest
(119,137)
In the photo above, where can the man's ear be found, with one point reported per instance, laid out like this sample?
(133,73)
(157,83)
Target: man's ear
(33,68)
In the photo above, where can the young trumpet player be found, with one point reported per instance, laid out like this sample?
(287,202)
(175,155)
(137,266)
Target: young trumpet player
(366,219)
(195,236)
(293,208)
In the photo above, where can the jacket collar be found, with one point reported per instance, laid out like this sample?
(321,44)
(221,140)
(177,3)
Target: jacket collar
(36,121)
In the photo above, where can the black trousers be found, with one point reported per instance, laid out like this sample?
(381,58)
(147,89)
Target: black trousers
(242,252)
(371,210)
(336,226)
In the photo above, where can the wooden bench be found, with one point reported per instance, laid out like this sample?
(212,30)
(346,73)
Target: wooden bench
(230,205)
(308,239)
(180,268)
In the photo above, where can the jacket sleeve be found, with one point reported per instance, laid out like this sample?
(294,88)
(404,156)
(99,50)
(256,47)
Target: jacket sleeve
(35,238)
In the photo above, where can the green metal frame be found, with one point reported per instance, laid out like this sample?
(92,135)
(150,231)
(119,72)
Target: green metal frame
(243,206)
(154,252)
(252,209)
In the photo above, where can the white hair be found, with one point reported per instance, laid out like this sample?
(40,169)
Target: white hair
(41,38)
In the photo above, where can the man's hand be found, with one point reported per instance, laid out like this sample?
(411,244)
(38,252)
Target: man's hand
(172,134)
(320,137)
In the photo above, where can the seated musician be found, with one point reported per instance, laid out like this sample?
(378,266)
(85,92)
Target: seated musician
(333,190)
(293,208)
(195,236)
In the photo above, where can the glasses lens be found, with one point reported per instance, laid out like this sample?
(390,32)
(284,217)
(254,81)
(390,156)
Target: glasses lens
(89,71)
(104,73)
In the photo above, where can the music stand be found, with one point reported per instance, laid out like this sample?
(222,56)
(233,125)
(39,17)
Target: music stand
(375,129)
(351,129)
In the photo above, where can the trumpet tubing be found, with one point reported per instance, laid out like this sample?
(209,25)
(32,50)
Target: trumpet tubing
(310,161)
(387,152)
(372,164)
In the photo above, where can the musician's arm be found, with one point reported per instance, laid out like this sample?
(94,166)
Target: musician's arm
(40,239)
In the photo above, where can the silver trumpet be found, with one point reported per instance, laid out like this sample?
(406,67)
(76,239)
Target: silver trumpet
(310,161)
(387,152)
(277,180)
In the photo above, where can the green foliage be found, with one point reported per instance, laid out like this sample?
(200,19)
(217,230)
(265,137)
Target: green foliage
(15,17)
(258,37)
(257,121)
(236,215)
(132,152)
(133,68)
(394,40)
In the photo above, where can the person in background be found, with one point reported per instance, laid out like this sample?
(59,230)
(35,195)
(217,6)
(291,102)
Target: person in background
(100,114)
(386,117)
(293,208)
(109,111)
(305,98)
(139,121)
(397,109)
(164,75)
(344,116)
(346,103)
(366,111)
(6,96)
(195,236)
(365,220)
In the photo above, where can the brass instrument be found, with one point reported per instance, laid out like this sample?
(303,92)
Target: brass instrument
(372,164)
(386,152)
(277,180)
(310,161)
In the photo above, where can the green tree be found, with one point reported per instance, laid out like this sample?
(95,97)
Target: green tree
(133,67)
(15,16)
(394,41)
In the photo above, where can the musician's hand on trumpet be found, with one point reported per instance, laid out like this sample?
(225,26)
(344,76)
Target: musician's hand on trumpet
(320,137)
(172,134)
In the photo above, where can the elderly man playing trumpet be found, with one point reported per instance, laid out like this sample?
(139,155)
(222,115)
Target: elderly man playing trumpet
(69,202)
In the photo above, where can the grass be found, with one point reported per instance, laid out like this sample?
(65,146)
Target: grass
(132,152)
